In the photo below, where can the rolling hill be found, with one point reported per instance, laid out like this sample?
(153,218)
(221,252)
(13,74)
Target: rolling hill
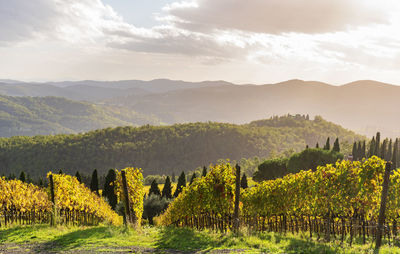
(165,149)
(53,115)
(364,106)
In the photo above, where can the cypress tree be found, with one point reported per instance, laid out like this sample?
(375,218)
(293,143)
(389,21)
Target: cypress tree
(22,176)
(192,178)
(354,152)
(204,171)
(60,172)
(378,144)
(306,146)
(167,190)
(363,150)
(327,145)
(394,157)
(336,145)
(243,182)
(78,176)
(181,184)
(94,183)
(389,151)
(397,151)
(372,147)
(41,184)
(317,145)
(154,188)
(383,149)
(108,190)
(28,178)
(358,150)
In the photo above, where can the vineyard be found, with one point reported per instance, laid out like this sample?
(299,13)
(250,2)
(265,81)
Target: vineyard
(336,200)
(66,201)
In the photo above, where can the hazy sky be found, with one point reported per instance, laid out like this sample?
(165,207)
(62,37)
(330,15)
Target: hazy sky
(253,41)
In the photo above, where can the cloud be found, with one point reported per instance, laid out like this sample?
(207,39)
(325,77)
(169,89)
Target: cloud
(69,20)
(222,39)
(90,22)
(274,16)
(169,40)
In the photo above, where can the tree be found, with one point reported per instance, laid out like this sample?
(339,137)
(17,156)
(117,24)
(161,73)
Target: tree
(60,172)
(108,190)
(377,143)
(22,176)
(390,151)
(154,189)
(383,151)
(372,146)
(94,183)
(243,182)
(354,151)
(78,176)
(317,145)
(327,145)
(28,178)
(154,205)
(311,159)
(167,190)
(336,146)
(204,171)
(41,184)
(181,184)
(394,157)
(359,151)
(363,150)
(192,178)
(271,169)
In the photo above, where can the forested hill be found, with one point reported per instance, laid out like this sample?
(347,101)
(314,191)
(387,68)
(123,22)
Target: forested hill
(164,149)
(53,115)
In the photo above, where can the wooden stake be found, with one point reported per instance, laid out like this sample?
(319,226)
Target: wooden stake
(236,221)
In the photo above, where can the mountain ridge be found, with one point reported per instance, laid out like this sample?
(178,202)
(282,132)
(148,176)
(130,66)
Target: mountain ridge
(364,106)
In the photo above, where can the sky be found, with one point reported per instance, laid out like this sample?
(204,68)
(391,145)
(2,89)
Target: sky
(254,41)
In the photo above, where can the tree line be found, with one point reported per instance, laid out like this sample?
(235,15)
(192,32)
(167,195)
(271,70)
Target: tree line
(386,149)
(310,158)
(163,149)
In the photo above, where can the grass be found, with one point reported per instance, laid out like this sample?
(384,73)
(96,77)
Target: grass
(108,239)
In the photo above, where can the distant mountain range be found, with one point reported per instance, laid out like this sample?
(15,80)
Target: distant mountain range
(364,106)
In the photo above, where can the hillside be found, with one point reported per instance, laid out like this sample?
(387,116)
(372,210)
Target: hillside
(53,115)
(165,149)
(365,106)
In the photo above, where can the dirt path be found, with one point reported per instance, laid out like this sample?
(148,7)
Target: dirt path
(47,248)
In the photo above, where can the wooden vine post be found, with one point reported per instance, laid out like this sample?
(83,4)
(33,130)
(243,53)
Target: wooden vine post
(237,199)
(53,213)
(126,198)
(381,218)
